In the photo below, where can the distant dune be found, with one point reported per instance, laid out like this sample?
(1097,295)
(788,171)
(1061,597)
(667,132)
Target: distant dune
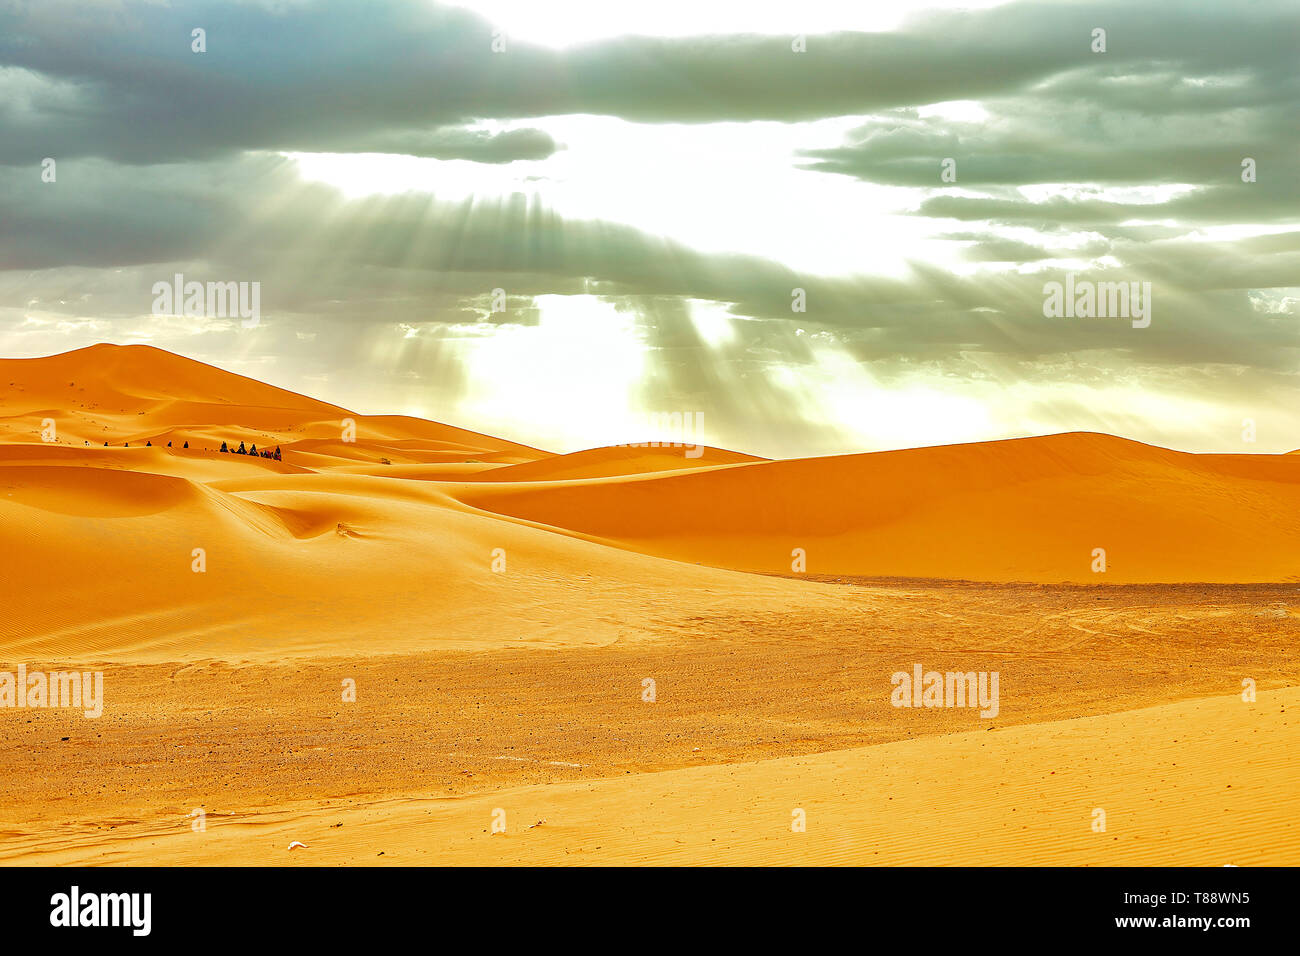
(1031,509)
(137,393)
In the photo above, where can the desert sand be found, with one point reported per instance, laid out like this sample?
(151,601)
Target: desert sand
(500,610)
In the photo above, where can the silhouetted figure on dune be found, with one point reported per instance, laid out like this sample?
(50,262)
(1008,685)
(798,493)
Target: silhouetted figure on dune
(186,445)
(241,450)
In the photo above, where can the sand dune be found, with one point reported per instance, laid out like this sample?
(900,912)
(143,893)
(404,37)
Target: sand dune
(305,563)
(1030,509)
(224,594)
(136,393)
(316,547)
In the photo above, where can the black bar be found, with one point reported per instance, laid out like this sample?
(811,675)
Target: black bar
(946,906)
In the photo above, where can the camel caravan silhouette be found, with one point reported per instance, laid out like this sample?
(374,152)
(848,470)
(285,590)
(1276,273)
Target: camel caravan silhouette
(241,450)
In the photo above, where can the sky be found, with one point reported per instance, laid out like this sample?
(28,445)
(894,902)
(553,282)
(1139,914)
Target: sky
(820,227)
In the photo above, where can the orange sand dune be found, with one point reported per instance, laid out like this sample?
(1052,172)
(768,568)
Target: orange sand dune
(309,563)
(393,535)
(1030,509)
(136,393)
(326,552)
(139,377)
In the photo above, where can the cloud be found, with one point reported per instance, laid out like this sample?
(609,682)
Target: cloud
(121,81)
(1117,166)
(478,146)
(417,260)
